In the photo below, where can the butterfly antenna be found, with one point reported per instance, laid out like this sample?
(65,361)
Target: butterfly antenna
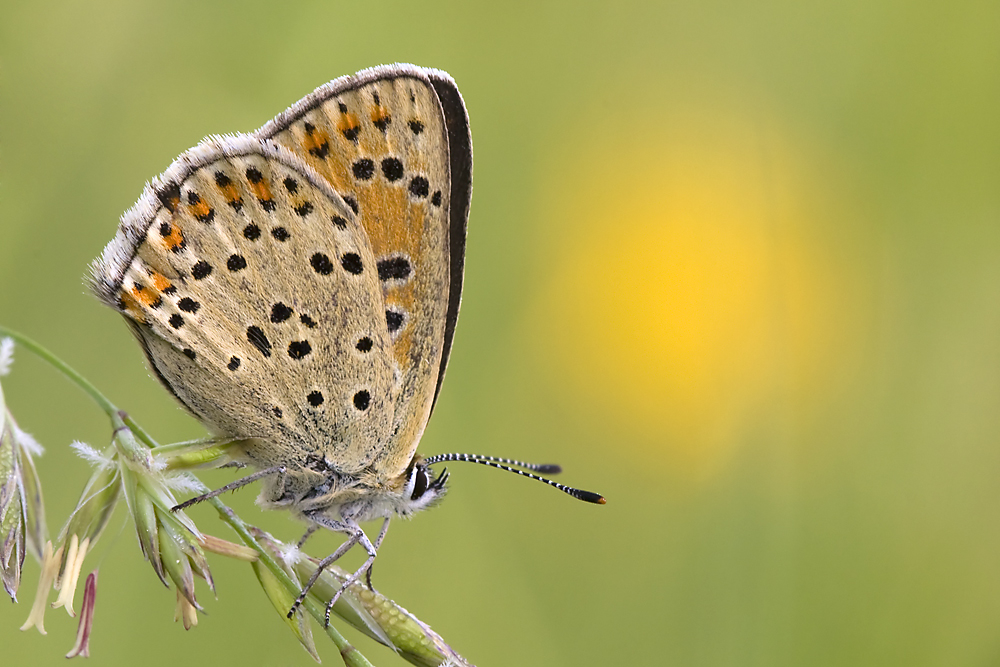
(502,464)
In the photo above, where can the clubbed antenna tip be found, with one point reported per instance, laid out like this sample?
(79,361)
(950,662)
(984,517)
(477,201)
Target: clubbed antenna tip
(590,497)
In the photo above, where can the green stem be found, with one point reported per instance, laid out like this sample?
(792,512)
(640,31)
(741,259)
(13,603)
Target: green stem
(352,656)
(64,368)
(83,383)
(139,431)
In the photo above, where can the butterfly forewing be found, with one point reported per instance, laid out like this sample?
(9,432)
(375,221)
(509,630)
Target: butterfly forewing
(381,140)
(255,293)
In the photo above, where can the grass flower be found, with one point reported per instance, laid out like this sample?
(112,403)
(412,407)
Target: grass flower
(86,624)
(46,579)
(168,540)
(22,515)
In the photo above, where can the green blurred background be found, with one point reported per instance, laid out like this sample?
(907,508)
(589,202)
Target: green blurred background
(736,266)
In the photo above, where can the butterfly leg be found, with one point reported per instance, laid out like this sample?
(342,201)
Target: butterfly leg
(370,548)
(309,531)
(378,543)
(356,535)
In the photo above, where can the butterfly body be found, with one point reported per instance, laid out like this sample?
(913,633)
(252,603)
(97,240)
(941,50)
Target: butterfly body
(297,289)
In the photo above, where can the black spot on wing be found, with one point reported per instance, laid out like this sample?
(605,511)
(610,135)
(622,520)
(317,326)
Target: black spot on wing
(188,305)
(419,187)
(236,263)
(394,320)
(351,261)
(170,196)
(392,169)
(257,338)
(363,169)
(280,312)
(394,268)
(299,349)
(201,270)
(321,264)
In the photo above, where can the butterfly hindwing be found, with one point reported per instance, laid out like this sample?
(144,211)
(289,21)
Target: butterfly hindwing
(256,296)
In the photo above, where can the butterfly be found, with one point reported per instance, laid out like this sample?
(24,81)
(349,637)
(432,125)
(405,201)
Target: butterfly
(296,289)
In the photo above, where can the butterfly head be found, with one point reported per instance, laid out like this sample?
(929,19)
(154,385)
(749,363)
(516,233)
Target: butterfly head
(358,498)
(421,489)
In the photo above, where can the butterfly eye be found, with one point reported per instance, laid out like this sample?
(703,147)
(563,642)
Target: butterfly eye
(421,480)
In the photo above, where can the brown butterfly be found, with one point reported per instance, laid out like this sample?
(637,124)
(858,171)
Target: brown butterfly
(297,291)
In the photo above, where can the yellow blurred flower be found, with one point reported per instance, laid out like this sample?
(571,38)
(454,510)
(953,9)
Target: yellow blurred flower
(698,283)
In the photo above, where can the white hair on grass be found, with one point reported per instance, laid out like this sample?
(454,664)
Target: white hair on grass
(157,463)
(6,355)
(91,455)
(26,441)
(290,553)
(185,482)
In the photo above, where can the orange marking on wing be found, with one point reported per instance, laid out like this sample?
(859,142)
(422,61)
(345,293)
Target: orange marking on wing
(298,144)
(261,190)
(160,282)
(301,147)
(175,239)
(146,296)
(404,297)
(379,115)
(394,224)
(229,191)
(172,201)
(316,143)
(131,306)
(200,210)
(402,345)
(348,123)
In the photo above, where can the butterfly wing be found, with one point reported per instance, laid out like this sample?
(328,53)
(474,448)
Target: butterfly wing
(254,292)
(394,142)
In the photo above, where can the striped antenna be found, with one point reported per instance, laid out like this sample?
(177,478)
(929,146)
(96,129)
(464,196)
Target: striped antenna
(496,462)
